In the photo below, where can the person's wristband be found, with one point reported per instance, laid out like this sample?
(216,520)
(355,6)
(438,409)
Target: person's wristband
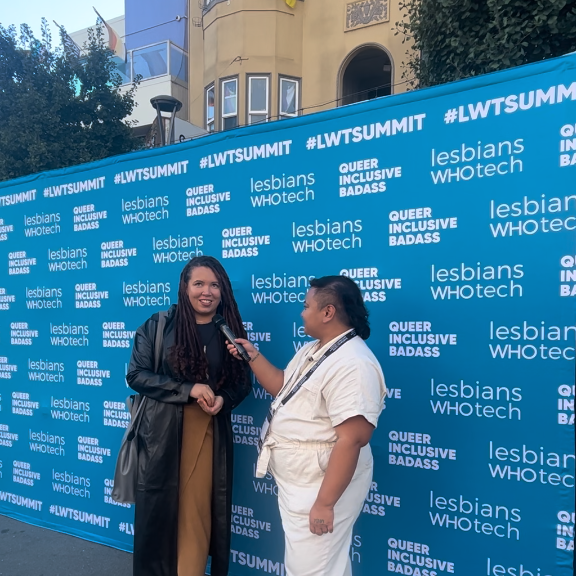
(252,359)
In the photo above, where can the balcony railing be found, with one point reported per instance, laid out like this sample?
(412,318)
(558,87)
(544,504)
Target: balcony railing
(154,61)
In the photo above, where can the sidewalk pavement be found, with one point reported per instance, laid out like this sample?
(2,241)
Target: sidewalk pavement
(27,550)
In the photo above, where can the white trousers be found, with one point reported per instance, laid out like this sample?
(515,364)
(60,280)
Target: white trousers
(298,469)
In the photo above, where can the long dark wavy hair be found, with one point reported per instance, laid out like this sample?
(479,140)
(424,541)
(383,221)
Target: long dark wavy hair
(343,293)
(187,356)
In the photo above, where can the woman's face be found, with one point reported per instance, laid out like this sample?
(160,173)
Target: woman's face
(312,315)
(204,293)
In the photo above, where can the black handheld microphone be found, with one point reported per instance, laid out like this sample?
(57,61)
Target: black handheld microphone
(220,323)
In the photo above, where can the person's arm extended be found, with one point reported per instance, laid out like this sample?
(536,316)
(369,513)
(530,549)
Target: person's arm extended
(352,435)
(270,377)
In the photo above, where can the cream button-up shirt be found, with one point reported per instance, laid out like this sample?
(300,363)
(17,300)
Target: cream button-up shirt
(348,383)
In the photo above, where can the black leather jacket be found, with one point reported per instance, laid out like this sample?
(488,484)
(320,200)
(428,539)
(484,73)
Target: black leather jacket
(160,440)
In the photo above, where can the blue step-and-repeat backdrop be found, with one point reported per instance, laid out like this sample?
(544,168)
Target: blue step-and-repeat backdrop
(453,208)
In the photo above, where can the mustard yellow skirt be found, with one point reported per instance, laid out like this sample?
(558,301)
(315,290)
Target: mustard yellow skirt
(194,506)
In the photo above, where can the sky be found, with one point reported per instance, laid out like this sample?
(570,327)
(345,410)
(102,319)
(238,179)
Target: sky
(72,14)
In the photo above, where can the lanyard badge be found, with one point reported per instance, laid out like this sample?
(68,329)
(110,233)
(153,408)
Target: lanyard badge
(274,409)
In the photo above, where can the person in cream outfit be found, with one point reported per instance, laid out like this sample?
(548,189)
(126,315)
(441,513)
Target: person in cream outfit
(315,440)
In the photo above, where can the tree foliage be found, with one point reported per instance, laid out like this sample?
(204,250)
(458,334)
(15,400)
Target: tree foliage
(59,108)
(454,39)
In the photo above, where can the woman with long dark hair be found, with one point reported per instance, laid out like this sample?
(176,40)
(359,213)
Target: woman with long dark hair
(183,498)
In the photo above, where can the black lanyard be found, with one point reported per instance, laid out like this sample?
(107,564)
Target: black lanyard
(340,342)
(265,432)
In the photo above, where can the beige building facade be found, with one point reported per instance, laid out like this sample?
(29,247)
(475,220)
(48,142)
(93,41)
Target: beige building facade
(259,60)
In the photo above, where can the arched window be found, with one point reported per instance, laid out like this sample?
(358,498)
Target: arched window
(366,74)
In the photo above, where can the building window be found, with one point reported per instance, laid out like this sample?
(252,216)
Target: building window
(151,61)
(207,4)
(125,68)
(178,63)
(154,61)
(289,92)
(229,104)
(210,93)
(258,98)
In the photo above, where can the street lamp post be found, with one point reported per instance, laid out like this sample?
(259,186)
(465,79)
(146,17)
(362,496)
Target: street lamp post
(166,108)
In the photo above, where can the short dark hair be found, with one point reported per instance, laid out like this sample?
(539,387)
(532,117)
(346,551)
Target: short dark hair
(344,294)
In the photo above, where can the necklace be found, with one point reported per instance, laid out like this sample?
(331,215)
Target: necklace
(211,337)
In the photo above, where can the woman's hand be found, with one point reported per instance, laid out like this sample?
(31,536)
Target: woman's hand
(252,352)
(321,519)
(270,377)
(203,392)
(218,403)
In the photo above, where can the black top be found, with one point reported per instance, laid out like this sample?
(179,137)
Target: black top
(212,340)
